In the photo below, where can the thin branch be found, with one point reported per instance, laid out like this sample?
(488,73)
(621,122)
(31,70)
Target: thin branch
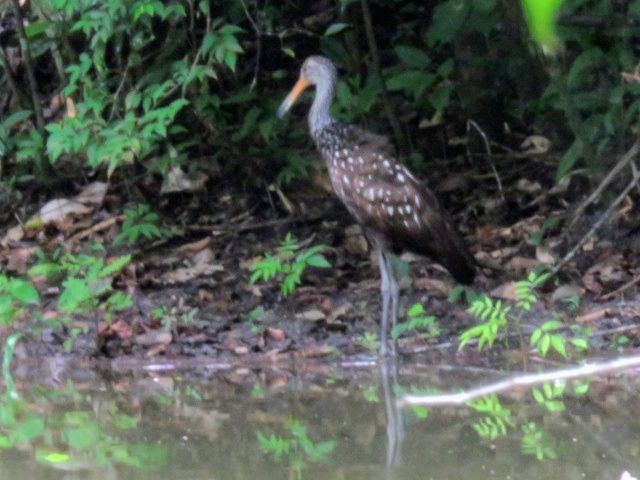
(487,146)
(605,216)
(256,29)
(623,162)
(624,287)
(11,78)
(245,227)
(461,398)
(118,91)
(28,63)
(375,66)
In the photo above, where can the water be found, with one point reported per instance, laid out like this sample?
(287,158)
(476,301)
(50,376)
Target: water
(309,421)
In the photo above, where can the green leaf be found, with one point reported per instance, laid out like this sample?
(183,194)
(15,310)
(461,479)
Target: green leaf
(555,405)
(535,336)
(318,261)
(82,437)
(15,118)
(5,442)
(28,430)
(56,457)
(126,422)
(420,412)
(439,97)
(413,57)
(415,310)
(414,82)
(448,18)
(551,325)
(569,159)
(541,19)
(581,389)
(24,292)
(558,343)
(580,343)
(335,28)
(76,292)
(116,265)
(36,28)
(543,346)
(537,394)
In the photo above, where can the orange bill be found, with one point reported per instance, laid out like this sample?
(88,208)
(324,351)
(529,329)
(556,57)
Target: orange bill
(295,92)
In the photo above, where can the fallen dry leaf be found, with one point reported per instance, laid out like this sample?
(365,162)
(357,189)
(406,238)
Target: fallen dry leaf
(506,291)
(544,255)
(92,194)
(312,315)
(565,291)
(120,328)
(453,182)
(58,209)
(520,264)
(181,275)
(195,246)
(338,312)
(18,258)
(433,286)
(593,316)
(606,271)
(178,181)
(156,350)
(276,333)
(535,145)
(355,242)
(13,235)
(154,337)
(527,186)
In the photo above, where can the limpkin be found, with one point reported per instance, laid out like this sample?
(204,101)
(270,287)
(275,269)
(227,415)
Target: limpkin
(396,211)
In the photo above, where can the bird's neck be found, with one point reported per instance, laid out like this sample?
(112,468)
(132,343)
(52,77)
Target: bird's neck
(319,116)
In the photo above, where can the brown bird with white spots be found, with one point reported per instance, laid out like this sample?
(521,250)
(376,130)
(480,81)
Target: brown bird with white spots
(396,211)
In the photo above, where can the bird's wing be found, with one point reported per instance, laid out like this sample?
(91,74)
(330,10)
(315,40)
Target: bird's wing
(368,141)
(398,210)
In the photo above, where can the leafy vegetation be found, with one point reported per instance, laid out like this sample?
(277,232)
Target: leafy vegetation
(417,321)
(550,396)
(536,442)
(15,296)
(140,222)
(496,317)
(86,281)
(297,450)
(288,264)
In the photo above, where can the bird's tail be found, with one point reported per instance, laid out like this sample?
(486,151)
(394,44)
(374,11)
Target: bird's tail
(460,264)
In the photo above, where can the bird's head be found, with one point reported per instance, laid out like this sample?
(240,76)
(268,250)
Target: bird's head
(316,70)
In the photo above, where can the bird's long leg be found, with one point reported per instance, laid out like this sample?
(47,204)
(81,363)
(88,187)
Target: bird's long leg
(385,292)
(394,289)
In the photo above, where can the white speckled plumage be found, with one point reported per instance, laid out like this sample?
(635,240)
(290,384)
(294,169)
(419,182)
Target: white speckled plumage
(396,211)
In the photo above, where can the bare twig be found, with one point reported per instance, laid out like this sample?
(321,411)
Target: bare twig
(375,66)
(605,216)
(624,287)
(487,146)
(255,226)
(11,78)
(622,163)
(28,63)
(103,225)
(634,171)
(118,91)
(258,32)
(522,381)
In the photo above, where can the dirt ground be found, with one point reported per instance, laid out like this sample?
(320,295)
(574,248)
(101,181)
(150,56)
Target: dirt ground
(200,277)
